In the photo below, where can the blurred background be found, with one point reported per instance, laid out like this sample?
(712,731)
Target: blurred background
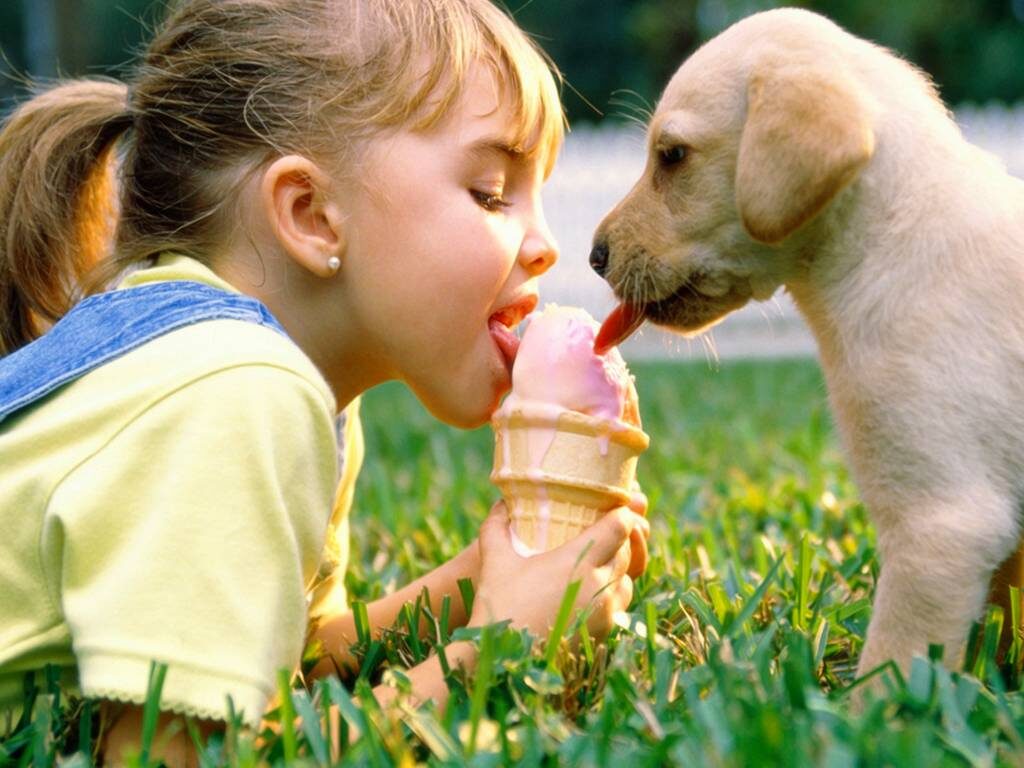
(616,55)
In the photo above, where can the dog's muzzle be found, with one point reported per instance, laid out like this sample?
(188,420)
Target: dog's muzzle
(599,257)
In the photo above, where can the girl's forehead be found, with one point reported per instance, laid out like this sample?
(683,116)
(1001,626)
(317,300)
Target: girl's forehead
(483,98)
(485,113)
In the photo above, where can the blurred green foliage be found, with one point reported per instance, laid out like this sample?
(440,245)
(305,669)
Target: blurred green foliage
(616,54)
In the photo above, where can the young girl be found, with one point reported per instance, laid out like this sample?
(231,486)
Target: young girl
(314,196)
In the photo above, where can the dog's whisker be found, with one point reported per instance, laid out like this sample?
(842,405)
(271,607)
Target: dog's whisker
(711,350)
(637,121)
(765,316)
(634,101)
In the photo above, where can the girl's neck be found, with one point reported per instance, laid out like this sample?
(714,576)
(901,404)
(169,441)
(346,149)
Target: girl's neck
(311,310)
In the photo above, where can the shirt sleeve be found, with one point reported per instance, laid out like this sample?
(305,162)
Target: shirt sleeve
(190,536)
(327,594)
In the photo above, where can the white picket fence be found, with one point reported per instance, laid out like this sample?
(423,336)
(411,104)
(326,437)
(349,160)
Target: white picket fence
(598,166)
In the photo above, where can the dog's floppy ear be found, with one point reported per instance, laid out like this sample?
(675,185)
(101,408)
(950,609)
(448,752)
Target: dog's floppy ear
(807,135)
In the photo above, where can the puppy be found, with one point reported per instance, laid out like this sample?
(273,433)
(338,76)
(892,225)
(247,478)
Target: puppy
(787,152)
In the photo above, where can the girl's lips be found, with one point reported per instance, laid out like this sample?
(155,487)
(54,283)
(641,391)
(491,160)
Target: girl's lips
(506,340)
(501,323)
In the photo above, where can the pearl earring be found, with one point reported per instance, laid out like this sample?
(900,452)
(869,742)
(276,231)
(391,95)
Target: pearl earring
(333,264)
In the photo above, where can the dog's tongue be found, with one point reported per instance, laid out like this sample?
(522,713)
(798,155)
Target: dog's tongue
(618,326)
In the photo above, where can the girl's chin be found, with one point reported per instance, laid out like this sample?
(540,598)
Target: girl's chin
(465,409)
(466,398)
(463,415)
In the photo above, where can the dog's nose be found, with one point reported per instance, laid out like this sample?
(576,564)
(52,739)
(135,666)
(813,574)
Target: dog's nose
(599,257)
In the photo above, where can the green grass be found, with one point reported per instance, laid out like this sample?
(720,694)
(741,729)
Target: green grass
(740,645)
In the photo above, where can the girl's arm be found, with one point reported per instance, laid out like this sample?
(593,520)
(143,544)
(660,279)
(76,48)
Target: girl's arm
(171,745)
(528,593)
(338,633)
(427,678)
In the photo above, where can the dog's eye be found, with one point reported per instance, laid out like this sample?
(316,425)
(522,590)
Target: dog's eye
(671,156)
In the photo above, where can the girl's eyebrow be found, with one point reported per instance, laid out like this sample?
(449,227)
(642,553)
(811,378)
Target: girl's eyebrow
(488,146)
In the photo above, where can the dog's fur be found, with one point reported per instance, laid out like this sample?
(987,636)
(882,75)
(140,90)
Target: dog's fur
(820,162)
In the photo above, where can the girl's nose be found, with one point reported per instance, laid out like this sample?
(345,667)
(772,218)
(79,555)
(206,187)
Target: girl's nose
(538,253)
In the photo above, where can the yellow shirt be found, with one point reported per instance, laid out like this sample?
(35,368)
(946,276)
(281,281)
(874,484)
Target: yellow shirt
(174,504)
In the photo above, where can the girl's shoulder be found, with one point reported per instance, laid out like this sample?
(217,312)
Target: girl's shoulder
(239,361)
(205,348)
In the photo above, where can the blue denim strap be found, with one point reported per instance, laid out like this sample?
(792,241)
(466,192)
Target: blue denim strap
(106,326)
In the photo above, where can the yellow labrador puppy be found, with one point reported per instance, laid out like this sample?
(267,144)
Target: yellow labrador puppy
(787,152)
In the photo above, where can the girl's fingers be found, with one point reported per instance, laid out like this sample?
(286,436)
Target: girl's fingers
(608,535)
(638,551)
(638,501)
(616,595)
(494,533)
(618,566)
(624,592)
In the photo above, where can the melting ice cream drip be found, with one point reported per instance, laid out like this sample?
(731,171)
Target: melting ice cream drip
(536,474)
(506,450)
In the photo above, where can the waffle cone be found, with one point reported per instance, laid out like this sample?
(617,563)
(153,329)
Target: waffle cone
(560,471)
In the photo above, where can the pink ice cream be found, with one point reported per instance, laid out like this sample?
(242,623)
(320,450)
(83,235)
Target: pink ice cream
(556,369)
(567,437)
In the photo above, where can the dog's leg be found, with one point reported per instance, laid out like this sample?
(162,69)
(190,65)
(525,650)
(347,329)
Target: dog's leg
(936,565)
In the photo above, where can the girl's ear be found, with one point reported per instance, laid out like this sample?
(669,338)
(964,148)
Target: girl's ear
(308,224)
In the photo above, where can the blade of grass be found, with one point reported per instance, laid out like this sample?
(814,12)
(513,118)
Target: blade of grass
(433,736)
(446,612)
(284,692)
(989,643)
(753,601)
(42,733)
(803,584)
(704,611)
(586,644)
(651,617)
(820,642)
(481,685)
(151,710)
(1013,653)
(410,616)
(561,624)
(311,727)
(85,729)
(362,620)
(467,592)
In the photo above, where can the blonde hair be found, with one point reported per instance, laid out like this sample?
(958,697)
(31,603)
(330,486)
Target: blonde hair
(224,87)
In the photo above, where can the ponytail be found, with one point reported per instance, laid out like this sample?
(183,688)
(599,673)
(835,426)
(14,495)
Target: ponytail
(57,201)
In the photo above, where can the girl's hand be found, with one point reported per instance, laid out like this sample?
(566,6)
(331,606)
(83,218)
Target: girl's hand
(529,591)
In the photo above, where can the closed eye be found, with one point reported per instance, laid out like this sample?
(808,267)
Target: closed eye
(489,201)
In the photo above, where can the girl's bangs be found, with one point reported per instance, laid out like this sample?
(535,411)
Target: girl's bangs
(524,74)
(536,105)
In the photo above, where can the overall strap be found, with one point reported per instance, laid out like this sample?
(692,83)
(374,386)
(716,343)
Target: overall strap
(106,326)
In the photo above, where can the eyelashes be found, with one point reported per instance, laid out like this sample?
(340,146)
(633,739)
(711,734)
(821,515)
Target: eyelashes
(489,201)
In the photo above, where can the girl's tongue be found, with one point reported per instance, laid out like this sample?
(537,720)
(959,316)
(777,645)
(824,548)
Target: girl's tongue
(506,340)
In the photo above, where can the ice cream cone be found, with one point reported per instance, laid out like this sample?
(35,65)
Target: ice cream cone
(560,470)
